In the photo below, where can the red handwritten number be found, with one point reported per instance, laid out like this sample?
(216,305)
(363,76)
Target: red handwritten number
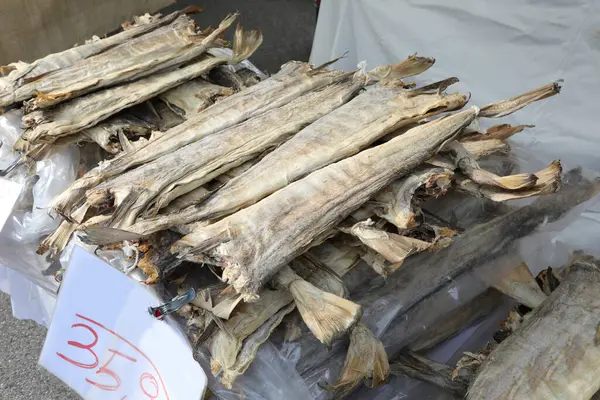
(87,347)
(152,381)
(104,370)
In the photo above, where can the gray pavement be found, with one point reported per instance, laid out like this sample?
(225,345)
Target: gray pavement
(288,28)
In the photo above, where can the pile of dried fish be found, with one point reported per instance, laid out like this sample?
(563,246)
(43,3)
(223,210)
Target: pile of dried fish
(312,190)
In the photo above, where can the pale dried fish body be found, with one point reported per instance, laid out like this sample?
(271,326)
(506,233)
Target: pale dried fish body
(255,242)
(86,111)
(340,134)
(21,73)
(188,99)
(207,158)
(160,49)
(556,348)
(293,80)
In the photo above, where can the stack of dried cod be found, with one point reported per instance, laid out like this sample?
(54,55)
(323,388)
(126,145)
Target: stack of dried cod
(306,190)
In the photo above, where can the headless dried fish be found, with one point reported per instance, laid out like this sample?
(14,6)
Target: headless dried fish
(287,221)
(470,168)
(548,181)
(22,73)
(154,183)
(165,47)
(412,292)
(556,348)
(340,134)
(292,81)
(87,111)
(506,107)
(190,98)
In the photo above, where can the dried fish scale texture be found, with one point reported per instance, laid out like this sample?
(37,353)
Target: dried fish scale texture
(555,353)
(21,73)
(255,242)
(342,133)
(290,82)
(203,160)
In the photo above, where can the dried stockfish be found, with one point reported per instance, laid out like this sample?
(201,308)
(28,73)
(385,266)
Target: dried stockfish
(226,344)
(393,247)
(255,242)
(467,164)
(190,98)
(396,203)
(506,107)
(366,360)
(327,316)
(556,348)
(155,184)
(419,290)
(22,73)
(163,48)
(548,181)
(293,80)
(418,367)
(413,65)
(340,134)
(86,111)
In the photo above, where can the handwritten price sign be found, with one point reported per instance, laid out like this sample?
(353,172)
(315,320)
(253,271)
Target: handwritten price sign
(105,345)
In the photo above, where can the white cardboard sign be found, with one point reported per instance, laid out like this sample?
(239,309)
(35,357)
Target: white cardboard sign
(9,193)
(104,344)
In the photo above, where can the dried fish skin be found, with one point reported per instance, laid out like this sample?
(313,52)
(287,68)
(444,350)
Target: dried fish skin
(293,80)
(396,203)
(87,111)
(213,155)
(255,242)
(165,47)
(340,134)
(21,73)
(555,348)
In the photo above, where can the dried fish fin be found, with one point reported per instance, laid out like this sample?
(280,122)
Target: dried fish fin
(335,254)
(60,237)
(396,203)
(548,181)
(393,247)
(506,107)
(469,167)
(520,285)
(366,360)
(327,316)
(251,345)
(482,148)
(418,367)
(499,132)
(412,65)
